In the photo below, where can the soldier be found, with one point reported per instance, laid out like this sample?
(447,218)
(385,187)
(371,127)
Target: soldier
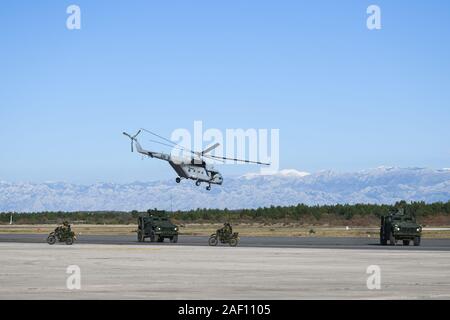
(401,204)
(227,230)
(58,230)
(66,225)
(62,229)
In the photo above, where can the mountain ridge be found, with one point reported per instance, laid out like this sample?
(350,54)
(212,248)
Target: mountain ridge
(382,185)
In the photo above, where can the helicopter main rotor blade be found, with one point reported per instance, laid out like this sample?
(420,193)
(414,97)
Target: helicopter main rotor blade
(211,157)
(172,144)
(199,154)
(239,160)
(211,148)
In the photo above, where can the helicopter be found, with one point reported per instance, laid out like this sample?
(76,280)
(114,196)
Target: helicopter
(193,168)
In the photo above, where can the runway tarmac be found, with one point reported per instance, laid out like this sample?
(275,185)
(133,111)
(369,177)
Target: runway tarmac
(267,242)
(110,271)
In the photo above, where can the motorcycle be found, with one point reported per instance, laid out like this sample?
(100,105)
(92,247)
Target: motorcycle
(232,240)
(62,236)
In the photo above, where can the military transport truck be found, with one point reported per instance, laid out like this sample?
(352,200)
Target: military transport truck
(157,228)
(398,225)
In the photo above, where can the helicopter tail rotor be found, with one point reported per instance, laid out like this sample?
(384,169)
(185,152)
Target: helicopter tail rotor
(133,138)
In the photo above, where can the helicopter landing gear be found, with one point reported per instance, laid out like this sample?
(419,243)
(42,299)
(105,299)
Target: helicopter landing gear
(178,180)
(197,183)
(208,188)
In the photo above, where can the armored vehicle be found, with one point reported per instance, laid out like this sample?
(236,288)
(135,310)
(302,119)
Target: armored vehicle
(157,228)
(62,233)
(399,225)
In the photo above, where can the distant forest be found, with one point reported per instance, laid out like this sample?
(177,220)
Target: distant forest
(297,213)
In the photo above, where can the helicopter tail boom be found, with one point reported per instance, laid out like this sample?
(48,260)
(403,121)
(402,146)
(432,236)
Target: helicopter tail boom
(139,149)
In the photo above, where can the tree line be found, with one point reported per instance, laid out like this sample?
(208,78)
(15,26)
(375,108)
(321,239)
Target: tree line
(269,214)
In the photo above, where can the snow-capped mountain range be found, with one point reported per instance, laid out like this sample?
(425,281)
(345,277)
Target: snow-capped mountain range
(288,187)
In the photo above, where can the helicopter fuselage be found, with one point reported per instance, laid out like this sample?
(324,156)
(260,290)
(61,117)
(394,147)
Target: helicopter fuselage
(197,172)
(193,169)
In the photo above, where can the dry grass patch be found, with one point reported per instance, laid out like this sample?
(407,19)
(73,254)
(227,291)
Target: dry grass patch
(206,229)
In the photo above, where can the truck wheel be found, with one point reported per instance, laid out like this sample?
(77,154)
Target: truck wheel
(51,240)
(417,241)
(160,239)
(174,239)
(140,237)
(69,241)
(392,240)
(213,241)
(406,242)
(233,242)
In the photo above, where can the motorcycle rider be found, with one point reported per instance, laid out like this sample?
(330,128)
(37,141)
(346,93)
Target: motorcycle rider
(60,230)
(226,231)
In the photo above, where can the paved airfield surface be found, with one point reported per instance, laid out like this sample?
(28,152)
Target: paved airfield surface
(118,267)
(268,242)
(111,271)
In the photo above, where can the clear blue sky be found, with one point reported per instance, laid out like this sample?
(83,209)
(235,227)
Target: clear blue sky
(345,98)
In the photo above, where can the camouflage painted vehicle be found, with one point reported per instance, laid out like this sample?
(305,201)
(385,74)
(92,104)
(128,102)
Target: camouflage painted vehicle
(62,234)
(224,235)
(156,228)
(400,226)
